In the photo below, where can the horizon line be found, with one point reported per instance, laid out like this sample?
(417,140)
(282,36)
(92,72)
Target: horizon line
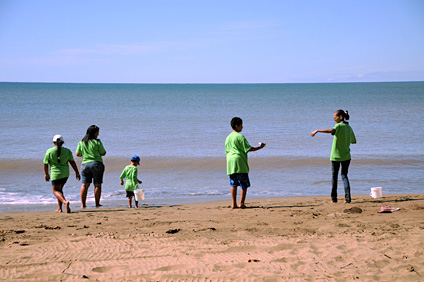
(328,82)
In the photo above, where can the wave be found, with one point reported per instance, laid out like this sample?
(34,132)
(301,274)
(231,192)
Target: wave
(204,164)
(208,193)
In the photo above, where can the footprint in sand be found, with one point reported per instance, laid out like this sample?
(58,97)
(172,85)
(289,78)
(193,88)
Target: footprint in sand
(106,269)
(171,267)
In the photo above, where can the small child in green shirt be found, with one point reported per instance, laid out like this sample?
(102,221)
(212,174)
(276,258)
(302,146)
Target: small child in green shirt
(130,173)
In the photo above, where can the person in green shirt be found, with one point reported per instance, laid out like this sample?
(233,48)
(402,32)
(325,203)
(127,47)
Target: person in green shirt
(92,168)
(59,159)
(130,173)
(340,152)
(236,149)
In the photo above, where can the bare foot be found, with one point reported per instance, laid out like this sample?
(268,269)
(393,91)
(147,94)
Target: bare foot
(346,202)
(83,206)
(68,208)
(58,210)
(333,202)
(234,207)
(99,205)
(243,206)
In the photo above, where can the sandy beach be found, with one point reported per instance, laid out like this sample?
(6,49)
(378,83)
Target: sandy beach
(283,239)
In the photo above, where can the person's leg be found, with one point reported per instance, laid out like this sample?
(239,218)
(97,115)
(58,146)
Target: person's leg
(136,203)
(58,192)
(243,198)
(335,171)
(86,179)
(97,194)
(66,203)
(68,207)
(59,206)
(98,169)
(344,171)
(234,197)
(84,191)
(130,202)
(234,183)
(244,184)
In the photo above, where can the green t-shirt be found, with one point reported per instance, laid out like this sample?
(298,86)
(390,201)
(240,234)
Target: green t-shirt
(236,148)
(343,137)
(58,170)
(92,151)
(130,173)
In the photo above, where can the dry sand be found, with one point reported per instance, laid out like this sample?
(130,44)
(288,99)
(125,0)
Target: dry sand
(285,239)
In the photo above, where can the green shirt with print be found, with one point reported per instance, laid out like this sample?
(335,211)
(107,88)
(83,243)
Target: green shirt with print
(130,173)
(236,148)
(92,151)
(343,137)
(58,170)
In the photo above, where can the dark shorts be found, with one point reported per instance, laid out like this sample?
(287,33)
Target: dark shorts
(92,172)
(59,181)
(240,179)
(130,194)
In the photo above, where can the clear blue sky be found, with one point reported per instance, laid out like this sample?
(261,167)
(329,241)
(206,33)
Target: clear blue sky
(194,41)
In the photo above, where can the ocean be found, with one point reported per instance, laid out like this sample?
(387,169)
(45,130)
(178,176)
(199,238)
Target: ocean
(179,131)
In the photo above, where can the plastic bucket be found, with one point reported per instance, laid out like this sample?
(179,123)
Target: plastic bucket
(376,192)
(139,194)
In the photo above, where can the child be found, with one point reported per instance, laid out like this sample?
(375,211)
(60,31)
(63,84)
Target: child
(236,149)
(58,158)
(130,173)
(340,152)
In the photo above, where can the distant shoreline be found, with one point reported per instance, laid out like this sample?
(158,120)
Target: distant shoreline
(214,83)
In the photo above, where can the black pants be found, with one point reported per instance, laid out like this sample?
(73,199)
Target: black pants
(335,170)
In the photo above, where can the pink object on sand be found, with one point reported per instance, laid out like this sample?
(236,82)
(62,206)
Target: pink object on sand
(388,209)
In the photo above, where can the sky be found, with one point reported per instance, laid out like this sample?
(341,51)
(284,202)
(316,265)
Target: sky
(192,41)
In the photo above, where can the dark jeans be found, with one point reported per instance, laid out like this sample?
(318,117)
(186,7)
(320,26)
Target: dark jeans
(335,169)
(92,171)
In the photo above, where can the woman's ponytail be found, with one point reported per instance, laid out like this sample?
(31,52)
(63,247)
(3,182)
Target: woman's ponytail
(59,144)
(346,116)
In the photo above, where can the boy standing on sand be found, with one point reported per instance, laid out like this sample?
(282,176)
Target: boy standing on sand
(236,149)
(130,173)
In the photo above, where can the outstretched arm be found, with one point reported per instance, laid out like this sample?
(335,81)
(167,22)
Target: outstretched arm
(332,131)
(257,148)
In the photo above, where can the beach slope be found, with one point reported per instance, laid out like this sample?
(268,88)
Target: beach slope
(294,239)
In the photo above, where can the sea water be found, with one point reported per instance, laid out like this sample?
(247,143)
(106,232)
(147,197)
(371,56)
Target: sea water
(179,131)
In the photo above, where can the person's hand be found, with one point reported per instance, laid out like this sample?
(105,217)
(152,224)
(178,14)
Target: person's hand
(47,177)
(313,133)
(122,182)
(78,176)
(262,145)
(139,182)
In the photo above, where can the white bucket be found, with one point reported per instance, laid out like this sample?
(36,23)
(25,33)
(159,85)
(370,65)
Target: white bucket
(139,194)
(376,192)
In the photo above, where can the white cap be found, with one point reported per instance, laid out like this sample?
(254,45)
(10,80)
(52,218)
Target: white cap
(56,137)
